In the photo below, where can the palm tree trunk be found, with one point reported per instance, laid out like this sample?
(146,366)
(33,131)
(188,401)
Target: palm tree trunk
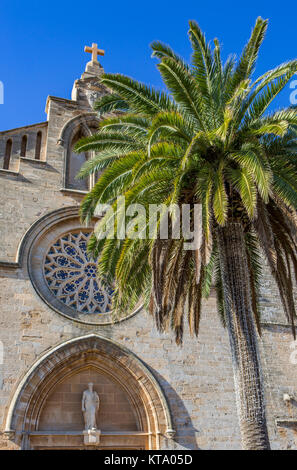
(243,338)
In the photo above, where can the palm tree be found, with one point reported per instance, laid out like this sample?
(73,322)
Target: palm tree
(209,142)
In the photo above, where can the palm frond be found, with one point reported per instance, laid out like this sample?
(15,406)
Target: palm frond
(110,102)
(142,99)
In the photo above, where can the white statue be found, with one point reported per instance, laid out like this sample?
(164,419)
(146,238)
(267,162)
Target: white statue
(90,406)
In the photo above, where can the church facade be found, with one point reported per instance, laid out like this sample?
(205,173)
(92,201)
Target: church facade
(56,332)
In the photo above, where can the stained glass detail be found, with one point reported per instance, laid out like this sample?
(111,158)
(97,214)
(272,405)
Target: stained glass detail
(71,275)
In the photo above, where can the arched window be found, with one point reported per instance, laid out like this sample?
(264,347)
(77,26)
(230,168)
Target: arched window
(7,154)
(74,164)
(24,145)
(38,145)
(95,176)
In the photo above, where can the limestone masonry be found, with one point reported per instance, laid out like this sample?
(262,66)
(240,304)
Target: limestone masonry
(152,393)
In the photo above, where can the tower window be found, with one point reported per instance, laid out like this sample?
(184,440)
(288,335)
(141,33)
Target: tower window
(74,164)
(38,145)
(24,146)
(7,154)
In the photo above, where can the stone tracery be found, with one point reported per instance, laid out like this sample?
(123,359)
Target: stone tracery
(71,275)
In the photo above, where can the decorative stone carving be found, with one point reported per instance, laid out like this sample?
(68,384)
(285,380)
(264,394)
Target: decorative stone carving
(92,437)
(44,234)
(150,406)
(71,276)
(9,434)
(90,407)
(170,433)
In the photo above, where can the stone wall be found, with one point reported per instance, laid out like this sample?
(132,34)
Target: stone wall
(63,407)
(196,379)
(16,135)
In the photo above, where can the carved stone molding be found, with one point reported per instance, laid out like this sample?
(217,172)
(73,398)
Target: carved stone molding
(145,394)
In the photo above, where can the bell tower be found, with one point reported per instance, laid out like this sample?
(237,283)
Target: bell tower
(88,89)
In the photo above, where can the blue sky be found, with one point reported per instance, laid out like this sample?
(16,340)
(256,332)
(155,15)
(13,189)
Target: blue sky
(42,42)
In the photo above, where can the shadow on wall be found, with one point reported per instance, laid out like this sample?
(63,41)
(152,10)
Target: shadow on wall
(185,436)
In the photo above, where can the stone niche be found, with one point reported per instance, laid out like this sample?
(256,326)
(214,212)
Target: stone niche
(62,410)
(61,423)
(45,411)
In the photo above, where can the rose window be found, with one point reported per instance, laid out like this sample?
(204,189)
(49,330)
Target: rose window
(71,275)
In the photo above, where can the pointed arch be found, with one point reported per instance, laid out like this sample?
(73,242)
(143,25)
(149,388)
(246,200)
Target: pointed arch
(77,127)
(24,145)
(7,156)
(110,358)
(38,145)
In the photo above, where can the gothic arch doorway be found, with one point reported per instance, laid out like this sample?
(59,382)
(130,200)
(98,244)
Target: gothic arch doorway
(45,411)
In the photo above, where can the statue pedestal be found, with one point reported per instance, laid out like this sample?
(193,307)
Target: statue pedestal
(91,437)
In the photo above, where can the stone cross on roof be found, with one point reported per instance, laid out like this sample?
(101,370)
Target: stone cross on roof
(94,51)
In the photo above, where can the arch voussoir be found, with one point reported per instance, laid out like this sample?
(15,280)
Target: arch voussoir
(78,354)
